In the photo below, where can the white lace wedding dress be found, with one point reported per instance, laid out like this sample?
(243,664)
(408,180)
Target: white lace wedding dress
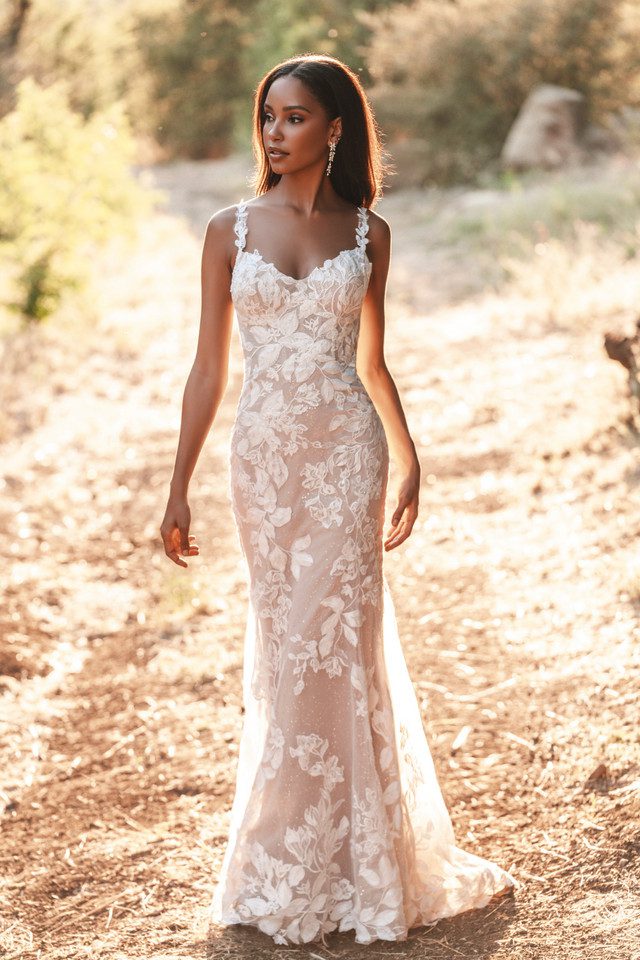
(338,821)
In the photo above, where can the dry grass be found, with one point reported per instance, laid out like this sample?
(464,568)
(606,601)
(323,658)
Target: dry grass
(517,597)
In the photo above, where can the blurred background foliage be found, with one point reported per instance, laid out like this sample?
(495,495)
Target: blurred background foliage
(175,78)
(65,186)
(451,75)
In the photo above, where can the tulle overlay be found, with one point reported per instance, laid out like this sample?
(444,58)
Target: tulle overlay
(338,821)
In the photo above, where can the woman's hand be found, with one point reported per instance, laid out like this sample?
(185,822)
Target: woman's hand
(174,531)
(404,516)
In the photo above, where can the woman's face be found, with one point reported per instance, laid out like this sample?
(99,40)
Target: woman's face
(294,123)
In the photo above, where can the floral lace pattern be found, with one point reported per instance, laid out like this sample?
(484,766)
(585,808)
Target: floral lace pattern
(338,821)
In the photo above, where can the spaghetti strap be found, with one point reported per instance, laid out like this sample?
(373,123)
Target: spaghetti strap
(363,226)
(240,226)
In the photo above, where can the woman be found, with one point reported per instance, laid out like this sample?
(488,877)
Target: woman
(338,821)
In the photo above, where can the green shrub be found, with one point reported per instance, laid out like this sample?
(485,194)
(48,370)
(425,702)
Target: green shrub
(65,186)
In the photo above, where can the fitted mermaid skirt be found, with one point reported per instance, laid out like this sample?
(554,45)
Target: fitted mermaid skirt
(338,821)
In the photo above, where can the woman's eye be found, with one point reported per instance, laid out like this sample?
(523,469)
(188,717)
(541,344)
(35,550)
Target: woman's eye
(268,116)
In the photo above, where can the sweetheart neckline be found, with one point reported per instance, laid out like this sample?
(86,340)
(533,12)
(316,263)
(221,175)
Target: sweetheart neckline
(328,262)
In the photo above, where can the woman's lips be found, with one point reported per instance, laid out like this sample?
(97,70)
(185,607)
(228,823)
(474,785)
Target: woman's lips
(277,155)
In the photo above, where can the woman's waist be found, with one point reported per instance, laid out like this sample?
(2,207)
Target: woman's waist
(317,403)
(272,394)
(299,367)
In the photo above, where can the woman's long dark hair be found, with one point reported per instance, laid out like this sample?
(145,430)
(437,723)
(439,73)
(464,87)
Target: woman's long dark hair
(358,169)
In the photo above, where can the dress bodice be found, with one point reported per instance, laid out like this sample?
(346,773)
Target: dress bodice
(299,322)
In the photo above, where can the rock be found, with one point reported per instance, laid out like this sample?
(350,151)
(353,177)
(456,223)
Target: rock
(547,130)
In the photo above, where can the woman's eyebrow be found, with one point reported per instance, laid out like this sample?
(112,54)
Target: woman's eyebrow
(296,106)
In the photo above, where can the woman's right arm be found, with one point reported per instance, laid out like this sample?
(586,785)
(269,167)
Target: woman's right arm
(206,383)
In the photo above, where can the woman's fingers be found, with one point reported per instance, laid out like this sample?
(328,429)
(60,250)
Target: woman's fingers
(402,523)
(175,543)
(401,534)
(188,544)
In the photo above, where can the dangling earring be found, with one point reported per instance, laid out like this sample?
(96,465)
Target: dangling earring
(332,153)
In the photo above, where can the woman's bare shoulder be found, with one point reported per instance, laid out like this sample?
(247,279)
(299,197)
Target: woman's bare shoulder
(223,218)
(220,237)
(378,226)
(379,234)
(220,230)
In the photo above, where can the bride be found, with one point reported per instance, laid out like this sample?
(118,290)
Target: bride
(338,821)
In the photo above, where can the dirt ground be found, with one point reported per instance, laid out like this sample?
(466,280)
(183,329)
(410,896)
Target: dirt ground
(518,599)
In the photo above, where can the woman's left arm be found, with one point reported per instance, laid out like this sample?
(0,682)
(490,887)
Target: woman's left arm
(379,384)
